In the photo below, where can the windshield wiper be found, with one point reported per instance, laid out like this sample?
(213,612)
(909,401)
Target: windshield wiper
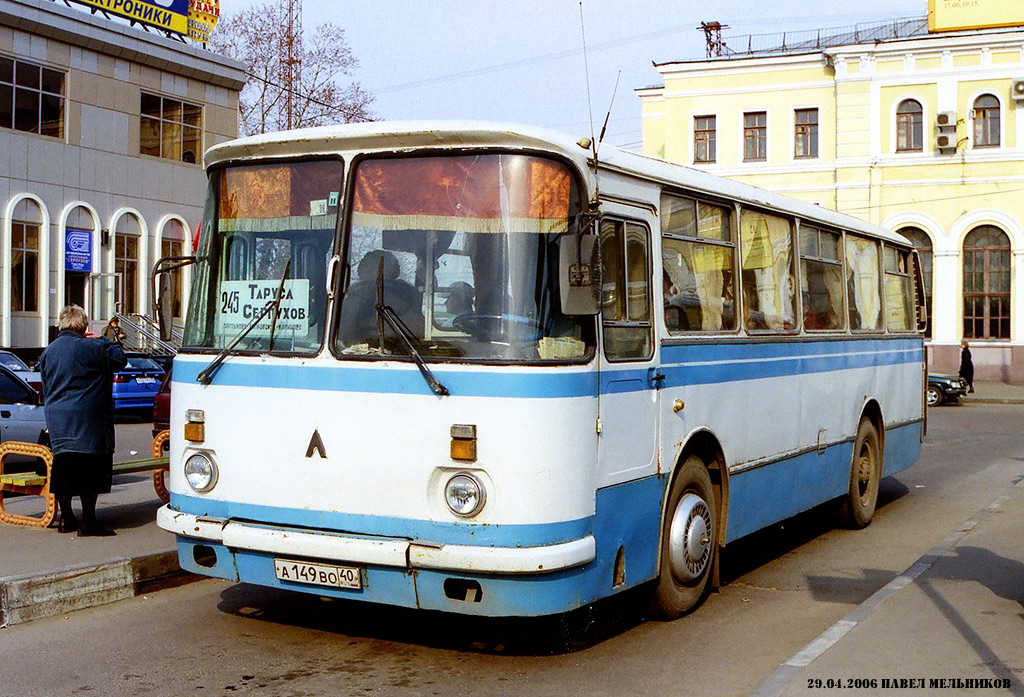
(385,313)
(277,303)
(206,376)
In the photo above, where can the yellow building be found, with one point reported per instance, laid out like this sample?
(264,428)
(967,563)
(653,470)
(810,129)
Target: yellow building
(918,131)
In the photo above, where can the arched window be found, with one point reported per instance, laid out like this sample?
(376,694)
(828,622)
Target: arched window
(986,122)
(986,284)
(126,261)
(172,244)
(923,243)
(909,126)
(26,224)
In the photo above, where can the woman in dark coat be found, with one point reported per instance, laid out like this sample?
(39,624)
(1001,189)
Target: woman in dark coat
(77,375)
(966,365)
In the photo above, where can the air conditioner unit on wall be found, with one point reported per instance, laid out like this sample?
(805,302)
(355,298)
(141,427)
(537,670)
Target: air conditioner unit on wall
(1017,90)
(946,119)
(945,142)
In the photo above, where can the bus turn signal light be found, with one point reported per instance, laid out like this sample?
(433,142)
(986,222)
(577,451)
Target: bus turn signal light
(195,425)
(463,442)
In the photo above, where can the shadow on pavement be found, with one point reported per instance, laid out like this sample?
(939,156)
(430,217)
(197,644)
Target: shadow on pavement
(1001,575)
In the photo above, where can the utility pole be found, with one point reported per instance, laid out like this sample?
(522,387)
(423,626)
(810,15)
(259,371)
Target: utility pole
(291,61)
(713,35)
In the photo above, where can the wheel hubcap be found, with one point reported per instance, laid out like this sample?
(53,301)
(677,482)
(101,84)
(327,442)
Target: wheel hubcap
(690,538)
(864,467)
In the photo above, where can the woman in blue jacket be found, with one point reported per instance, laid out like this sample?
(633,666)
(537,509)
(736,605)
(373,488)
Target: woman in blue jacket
(77,375)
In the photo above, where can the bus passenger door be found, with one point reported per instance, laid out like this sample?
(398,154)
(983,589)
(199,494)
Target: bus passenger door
(630,378)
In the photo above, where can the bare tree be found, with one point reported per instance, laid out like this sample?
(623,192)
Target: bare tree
(293,78)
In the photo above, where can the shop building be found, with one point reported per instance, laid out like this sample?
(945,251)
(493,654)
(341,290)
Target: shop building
(916,130)
(102,131)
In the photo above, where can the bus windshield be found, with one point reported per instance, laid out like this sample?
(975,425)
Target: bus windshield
(460,254)
(268,232)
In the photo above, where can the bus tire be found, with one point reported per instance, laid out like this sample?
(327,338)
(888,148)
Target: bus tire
(858,505)
(688,540)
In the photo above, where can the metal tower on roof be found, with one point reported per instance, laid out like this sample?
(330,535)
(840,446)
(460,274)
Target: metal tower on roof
(713,35)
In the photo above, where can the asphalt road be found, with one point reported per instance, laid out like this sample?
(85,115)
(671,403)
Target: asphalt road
(783,587)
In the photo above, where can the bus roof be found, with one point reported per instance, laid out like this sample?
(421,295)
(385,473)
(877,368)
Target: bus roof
(417,135)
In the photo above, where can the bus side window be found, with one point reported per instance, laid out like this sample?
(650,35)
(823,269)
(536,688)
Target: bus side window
(697,266)
(899,294)
(769,296)
(454,288)
(821,279)
(863,284)
(626,292)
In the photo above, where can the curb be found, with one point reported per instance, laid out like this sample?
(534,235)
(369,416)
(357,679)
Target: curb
(33,596)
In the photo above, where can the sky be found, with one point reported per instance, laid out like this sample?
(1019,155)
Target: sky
(523,61)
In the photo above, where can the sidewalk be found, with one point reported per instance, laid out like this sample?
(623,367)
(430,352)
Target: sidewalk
(44,573)
(996,393)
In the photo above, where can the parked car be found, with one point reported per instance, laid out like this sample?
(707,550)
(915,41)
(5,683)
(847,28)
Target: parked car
(18,367)
(135,386)
(945,388)
(162,407)
(22,417)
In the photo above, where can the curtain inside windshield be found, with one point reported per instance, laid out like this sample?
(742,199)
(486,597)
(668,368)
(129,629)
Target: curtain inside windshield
(464,251)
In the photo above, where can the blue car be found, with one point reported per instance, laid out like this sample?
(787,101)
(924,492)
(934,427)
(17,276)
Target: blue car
(136,386)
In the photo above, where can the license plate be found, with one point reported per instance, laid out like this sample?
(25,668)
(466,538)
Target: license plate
(318,574)
(145,381)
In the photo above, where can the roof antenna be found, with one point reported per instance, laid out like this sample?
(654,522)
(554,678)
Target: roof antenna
(590,106)
(604,127)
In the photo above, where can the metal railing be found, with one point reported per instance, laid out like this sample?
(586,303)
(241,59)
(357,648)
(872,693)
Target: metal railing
(818,39)
(144,336)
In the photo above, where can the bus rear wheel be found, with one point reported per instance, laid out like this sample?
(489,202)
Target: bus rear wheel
(858,505)
(688,540)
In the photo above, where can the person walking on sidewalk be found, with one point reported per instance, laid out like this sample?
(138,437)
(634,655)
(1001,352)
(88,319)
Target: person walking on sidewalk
(966,365)
(77,375)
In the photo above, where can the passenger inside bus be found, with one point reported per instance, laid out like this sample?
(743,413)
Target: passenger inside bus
(359,314)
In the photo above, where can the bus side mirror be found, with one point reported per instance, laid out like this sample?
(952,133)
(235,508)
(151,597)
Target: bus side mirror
(579,274)
(165,307)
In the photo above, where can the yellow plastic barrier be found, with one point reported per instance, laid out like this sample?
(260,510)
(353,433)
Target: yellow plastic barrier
(27,483)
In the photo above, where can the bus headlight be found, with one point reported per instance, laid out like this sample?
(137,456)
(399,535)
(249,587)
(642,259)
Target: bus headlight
(464,495)
(200,472)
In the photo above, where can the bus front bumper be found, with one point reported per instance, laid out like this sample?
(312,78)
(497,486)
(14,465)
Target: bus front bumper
(379,552)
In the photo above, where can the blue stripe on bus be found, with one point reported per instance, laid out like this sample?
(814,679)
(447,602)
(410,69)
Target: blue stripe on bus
(448,532)
(346,377)
(693,364)
(696,365)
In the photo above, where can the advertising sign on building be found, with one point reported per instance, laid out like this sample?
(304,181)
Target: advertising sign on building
(950,15)
(77,250)
(202,18)
(169,15)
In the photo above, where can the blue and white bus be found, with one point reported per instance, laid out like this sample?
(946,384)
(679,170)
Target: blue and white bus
(475,368)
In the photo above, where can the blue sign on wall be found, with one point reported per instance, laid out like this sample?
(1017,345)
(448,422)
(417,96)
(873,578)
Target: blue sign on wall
(78,250)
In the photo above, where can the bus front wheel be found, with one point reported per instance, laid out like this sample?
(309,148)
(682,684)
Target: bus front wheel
(688,540)
(858,505)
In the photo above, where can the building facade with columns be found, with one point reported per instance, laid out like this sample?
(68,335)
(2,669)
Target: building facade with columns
(919,131)
(102,131)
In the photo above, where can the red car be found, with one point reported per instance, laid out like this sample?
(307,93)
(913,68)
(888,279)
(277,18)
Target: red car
(162,407)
